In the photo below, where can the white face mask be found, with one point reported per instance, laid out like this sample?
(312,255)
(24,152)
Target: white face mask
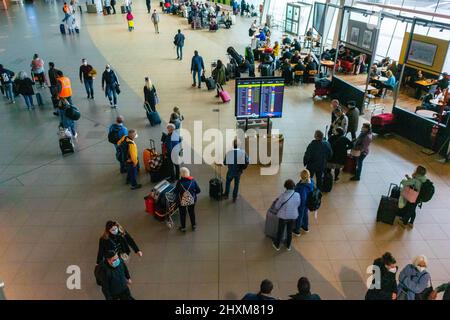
(85,63)
(114,231)
(393,270)
(137,136)
(108,69)
(421,269)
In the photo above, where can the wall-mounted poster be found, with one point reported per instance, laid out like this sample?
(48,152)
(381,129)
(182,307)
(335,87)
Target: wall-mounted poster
(422,52)
(367,40)
(354,36)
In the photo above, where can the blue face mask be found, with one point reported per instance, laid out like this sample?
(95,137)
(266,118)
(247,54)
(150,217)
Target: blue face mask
(116,263)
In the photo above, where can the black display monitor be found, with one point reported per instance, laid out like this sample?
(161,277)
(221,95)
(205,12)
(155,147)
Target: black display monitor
(259,97)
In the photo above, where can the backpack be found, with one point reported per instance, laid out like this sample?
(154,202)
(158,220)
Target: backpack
(5,77)
(122,151)
(99,274)
(314,200)
(72,113)
(113,135)
(186,199)
(426,192)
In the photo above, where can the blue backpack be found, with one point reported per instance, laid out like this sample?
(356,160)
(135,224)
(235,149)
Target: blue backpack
(122,151)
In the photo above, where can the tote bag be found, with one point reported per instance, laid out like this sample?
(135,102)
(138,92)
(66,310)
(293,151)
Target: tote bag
(410,194)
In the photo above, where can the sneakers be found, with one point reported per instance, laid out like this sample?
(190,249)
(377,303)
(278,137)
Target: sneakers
(193,85)
(296,234)
(182,229)
(194,227)
(275,247)
(138,186)
(355,178)
(288,248)
(305,230)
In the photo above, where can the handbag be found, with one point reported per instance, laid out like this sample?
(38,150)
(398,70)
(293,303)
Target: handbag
(275,211)
(355,153)
(410,194)
(117,88)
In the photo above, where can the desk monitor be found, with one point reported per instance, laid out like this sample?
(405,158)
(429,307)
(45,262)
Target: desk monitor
(259,97)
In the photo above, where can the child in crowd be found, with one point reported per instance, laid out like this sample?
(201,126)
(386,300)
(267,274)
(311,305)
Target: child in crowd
(130,21)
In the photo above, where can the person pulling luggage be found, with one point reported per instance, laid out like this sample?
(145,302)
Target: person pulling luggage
(66,121)
(116,132)
(171,150)
(64,87)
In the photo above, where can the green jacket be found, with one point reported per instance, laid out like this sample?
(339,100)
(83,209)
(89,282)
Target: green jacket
(416,183)
(220,75)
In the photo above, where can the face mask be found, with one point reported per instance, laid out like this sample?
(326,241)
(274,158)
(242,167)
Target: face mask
(114,231)
(137,136)
(393,270)
(421,269)
(115,263)
(107,69)
(85,63)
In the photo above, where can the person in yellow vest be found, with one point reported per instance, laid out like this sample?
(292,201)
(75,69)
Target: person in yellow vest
(128,154)
(64,87)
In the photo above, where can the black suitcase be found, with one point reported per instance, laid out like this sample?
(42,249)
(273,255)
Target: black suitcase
(256,54)
(164,172)
(39,100)
(123,10)
(62,28)
(327,183)
(66,145)
(210,83)
(388,208)
(266,70)
(215,188)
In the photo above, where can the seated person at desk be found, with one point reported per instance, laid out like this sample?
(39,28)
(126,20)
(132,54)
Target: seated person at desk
(388,84)
(296,58)
(309,33)
(418,76)
(374,72)
(393,67)
(327,55)
(286,72)
(299,67)
(443,81)
(312,65)
(296,45)
(307,58)
(261,36)
(286,55)
(347,55)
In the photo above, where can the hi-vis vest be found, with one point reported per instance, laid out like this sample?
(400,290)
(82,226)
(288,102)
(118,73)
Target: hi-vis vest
(66,89)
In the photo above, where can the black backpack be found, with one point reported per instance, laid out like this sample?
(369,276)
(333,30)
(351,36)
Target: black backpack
(99,273)
(113,135)
(426,192)
(314,200)
(72,113)
(122,151)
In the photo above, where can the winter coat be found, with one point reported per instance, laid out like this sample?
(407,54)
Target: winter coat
(339,145)
(316,156)
(123,241)
(25,86)
(362,143)
(291,200)
(220,75)
(109,78)
(114,280)
(304,189)
(388,284)
(150,96)
(353,119)
(411,281)
(187,184)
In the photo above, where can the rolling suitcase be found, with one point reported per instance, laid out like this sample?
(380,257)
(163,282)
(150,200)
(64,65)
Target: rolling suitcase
(65,141)
(39,100)
(388,208)
(152,115)
(271,226)
(350,164)
(62,28)
(149,204)
(266,70)
(215,188)
(382,123)
(225,96)
(162,172)
(327,183)
(123,9)
(210,83)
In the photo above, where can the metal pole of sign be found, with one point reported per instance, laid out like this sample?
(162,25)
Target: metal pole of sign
(2,292)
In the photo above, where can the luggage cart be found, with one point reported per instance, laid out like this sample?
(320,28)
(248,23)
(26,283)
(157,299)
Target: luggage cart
(165,202)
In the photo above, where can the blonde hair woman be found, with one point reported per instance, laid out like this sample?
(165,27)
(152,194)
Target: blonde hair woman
(304,187)
(187,189)
(414,282)
(150,94)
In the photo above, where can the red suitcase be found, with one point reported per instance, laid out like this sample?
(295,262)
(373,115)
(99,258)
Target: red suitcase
(320,92)
(383,119)
(225,96)
(149,204)
(350,164)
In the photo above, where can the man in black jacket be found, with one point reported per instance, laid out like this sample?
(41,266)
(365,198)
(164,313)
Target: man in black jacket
(316,156)
(387,285)
(52,75)
(114,278)
(87,75)
(178,41)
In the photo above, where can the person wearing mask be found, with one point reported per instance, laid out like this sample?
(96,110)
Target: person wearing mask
(237,161)
(155,20)
(179,43)
(219,75)
(176,118)
(24,87)
(131,156)
(408,209)
(148,3)
(37,70)
(65,121)
(304,187)
(171,150)
(304,291)
(187,190)
(117,239)
(114,277)
(197,68)
(339,144)
(340,122)
(362,144)
(287,205)
(110,84)
(386,269)
(87,74)
(265,290)
(414,280)
(316,156)
(64,87)
(150,94)
(52,75)
(352,113)
(6,80)
(117,131)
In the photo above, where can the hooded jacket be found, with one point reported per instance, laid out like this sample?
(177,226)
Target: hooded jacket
(304,189)
(339,145)
(412,281)
(317,154)
(124,241)
(114,280)
(187,184)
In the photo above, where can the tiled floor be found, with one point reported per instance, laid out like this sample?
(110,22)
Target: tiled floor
(53,208)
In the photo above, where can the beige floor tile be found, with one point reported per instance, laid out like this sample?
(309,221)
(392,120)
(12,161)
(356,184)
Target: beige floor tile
(364,249)
(338,250)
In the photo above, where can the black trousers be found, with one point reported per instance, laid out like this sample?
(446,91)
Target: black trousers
(408,213)
(125,295)
(283,224)
(187,210)
(319,177)
(149,6)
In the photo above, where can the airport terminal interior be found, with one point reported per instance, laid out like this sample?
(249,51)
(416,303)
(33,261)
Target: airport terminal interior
(54,207)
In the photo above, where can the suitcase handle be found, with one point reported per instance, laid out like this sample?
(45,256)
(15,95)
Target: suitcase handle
(390,188)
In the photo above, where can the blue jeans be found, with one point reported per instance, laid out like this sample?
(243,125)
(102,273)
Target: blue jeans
(9,91)
(359,165)
(28,100)
(197,73)
(302,221)
(111,93)
(89,85)
(132,174)
(180,52)
(236,179)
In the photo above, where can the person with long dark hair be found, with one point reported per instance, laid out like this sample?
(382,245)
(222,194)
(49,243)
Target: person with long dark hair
(386,271)
(362,144)
(219,75)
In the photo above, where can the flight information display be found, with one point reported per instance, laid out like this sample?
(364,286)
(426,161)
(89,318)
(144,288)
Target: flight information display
(259,97)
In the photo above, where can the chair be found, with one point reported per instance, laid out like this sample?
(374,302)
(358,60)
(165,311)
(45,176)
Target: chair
(298,76)
(394,89)
(312,75)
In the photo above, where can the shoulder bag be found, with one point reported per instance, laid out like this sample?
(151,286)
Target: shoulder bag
(275,211)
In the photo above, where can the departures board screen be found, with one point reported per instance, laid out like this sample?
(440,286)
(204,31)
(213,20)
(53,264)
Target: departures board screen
(259,97)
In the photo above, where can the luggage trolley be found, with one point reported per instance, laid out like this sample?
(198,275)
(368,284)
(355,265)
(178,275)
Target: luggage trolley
(165,202)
